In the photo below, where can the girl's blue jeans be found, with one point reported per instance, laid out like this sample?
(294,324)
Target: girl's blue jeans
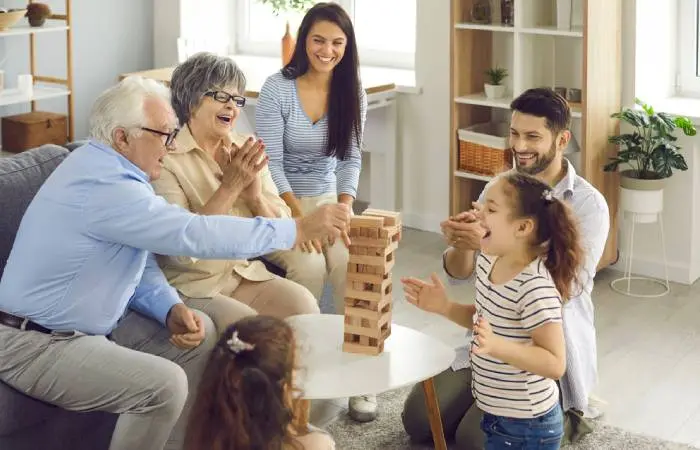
(541,433)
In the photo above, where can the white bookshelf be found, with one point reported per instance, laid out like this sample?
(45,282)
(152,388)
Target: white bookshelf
(538,53)
(44,87)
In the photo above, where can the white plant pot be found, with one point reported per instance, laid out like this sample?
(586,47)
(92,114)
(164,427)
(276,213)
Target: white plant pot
(494,91)
(642,205)
(564,14)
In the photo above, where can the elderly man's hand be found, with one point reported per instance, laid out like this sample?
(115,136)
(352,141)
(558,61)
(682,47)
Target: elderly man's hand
(325,222)
(464,231)
(186,327)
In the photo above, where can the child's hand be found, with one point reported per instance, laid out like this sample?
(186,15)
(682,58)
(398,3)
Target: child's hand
(485,341)
(429,297)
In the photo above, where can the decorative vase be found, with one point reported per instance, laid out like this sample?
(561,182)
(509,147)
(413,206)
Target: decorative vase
(288,44)
(494,91)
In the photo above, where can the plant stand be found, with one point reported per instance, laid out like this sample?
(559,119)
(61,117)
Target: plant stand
(641,207)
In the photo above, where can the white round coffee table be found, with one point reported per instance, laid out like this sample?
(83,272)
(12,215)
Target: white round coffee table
(327,372)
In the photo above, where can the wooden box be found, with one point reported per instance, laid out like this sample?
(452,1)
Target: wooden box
(26,131)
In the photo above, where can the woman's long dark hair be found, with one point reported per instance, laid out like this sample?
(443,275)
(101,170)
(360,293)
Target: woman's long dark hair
(344,123)
(556,230)
(244,400)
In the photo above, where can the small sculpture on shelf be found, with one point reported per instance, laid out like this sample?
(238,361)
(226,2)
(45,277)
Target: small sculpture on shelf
(37,13)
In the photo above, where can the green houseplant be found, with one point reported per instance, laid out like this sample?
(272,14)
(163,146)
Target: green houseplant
(493,87)
(650,149)
(288,5)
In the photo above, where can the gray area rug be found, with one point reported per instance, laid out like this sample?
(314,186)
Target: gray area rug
(386,433)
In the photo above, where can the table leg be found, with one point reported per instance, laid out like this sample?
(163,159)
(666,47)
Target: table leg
(431,402)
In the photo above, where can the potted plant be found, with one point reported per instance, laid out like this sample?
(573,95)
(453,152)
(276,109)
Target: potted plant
(288,41)
(37,13)
(493,87)
(650,154)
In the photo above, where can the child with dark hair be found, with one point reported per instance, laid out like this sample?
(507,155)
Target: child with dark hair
(245,399)
(528,267)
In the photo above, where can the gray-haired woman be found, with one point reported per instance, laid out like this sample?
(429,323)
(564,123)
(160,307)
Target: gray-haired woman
(214,170)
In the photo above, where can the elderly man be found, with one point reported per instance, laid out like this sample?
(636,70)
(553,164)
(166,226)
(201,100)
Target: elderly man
(87,319)
(539,133)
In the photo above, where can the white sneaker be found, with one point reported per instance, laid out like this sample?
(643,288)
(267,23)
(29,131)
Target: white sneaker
(363,408)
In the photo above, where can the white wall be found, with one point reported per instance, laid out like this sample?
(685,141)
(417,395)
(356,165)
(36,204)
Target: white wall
(110,37)
(424,123)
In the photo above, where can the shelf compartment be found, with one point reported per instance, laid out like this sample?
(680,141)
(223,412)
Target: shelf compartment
(540,17)
(481,50)
(559,62)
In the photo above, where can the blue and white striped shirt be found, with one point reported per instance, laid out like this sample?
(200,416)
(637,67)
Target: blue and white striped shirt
(296,146)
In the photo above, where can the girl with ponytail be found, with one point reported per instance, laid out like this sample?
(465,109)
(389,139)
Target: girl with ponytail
(245,399)
(527,268)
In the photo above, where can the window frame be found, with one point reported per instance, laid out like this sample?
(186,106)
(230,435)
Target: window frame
(368,56)
(688,73)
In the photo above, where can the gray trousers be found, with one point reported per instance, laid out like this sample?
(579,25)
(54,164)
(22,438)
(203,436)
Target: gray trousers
(461,418)
(139,375)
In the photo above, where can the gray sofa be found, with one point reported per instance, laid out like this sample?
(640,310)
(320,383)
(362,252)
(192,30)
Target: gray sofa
(26,423)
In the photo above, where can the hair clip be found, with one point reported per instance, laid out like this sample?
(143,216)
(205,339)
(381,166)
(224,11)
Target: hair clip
(548,195)
(236,345)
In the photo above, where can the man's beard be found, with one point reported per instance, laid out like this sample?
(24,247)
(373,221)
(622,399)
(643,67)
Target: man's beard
(541,163)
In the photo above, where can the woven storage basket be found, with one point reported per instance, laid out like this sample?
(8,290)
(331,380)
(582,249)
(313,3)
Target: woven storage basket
(483,148)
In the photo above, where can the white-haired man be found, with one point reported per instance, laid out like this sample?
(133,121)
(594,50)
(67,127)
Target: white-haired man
(87,319)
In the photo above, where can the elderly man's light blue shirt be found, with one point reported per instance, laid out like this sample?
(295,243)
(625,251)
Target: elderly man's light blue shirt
(591,210)
(85,247)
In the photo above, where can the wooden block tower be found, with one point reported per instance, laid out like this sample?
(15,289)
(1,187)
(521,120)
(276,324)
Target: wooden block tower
(374,236)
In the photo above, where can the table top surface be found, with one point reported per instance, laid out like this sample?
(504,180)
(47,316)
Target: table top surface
(327,372)
(258,68)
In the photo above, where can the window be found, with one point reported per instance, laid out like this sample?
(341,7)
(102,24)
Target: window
(381,42)
(688,81)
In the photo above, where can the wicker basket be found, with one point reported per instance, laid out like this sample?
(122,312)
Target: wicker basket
(7,19)
(483,149)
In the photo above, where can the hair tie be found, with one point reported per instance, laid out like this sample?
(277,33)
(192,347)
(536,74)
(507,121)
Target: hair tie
(548,195)
(236,345)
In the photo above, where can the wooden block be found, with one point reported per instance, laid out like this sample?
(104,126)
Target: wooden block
(363,295)
(368,260)
(361,312)
(364,340)
(362,349)
(366,277)
(390,217)
(374,241)
(366,222)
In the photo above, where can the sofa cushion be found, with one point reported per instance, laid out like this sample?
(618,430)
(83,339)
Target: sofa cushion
(21,176)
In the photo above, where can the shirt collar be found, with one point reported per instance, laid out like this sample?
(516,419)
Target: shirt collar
(125,163)
(566,184)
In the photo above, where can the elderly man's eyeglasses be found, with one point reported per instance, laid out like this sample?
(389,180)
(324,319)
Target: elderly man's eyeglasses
(169,137)
(224,97)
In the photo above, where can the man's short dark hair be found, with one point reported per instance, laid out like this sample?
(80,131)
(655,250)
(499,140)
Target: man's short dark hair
(545,102)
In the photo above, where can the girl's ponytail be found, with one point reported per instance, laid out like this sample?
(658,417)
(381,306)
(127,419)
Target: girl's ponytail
(564,252)
(557,230)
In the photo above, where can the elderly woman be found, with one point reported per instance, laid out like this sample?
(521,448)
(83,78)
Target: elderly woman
(216,171)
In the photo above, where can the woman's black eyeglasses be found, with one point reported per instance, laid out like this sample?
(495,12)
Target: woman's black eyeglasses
(224,97)
(169,137)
